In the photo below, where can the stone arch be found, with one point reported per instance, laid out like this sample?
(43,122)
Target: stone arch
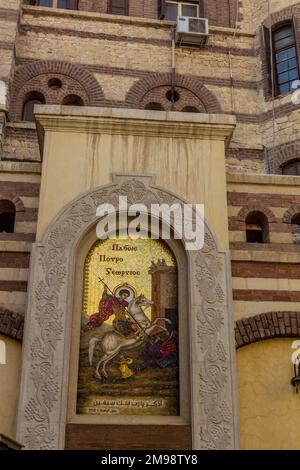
(34,77)
(193,85)
(289,214)
(256,208)
(14,198)
(241,217)
(282,154)
(11,324)
(267,326)
(50,310)
(281,16)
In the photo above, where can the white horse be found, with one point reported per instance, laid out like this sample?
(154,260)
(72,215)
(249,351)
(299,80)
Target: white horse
(113,342)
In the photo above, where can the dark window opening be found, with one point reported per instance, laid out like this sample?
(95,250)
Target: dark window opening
(118,7)
(54,83)
(68,4)
(173,96)
(42,3)
(65,4)
(295,223)
(257,228)
(285,58)
(7,216)
(291,168)
(28,108)
(72,100)
(154,106)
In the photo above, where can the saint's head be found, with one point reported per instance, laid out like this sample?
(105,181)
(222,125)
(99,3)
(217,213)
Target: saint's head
(124,294)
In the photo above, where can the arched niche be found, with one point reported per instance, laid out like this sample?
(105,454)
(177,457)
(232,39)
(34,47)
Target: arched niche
(168,424)
(50,318)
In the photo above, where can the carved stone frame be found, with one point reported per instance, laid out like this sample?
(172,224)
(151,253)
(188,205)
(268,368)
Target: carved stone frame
(46,353)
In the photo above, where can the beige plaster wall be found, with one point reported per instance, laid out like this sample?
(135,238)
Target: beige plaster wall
(9,386)
(269,407)
(185,159)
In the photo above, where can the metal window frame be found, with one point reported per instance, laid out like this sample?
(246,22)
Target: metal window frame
(275,29)
(179,4)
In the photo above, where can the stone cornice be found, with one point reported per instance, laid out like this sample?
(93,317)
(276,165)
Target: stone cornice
(270,180)
(19,167)
(147,22)
(265,257)
(133,122)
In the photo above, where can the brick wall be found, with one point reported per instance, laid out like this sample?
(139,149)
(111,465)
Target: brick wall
(19,183)
(107,63)
(219,12)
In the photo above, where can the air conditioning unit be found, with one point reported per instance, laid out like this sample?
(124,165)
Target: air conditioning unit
(192,31)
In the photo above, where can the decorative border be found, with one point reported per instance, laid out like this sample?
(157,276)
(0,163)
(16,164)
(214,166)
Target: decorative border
(43,397)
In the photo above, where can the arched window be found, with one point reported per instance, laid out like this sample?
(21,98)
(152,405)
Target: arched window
(154,106)
(33,98)
(72,100)
(257,228)
(295,222)
(190,109)
(291,167)
(285,58)
(7,216)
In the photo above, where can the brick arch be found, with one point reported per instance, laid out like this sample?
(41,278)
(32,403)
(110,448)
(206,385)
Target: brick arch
(281,16)
(241,217)
(282,154)
(267,326)
(11,324)
(83,83)
(14,198)
(289,214)
(139,89)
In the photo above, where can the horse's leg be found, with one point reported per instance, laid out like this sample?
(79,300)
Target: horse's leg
(92,345)
(105,357)
(104,373)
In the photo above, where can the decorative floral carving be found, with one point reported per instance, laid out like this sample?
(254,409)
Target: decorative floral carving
(48,312)
(216,431)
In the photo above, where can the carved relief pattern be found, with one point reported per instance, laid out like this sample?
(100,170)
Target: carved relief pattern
(43,408)
(215,432)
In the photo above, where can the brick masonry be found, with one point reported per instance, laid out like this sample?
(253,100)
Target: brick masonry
(192,92)
(11,324)
(247,331)
(35,77)
(267,326)
(105,61)
(219,12)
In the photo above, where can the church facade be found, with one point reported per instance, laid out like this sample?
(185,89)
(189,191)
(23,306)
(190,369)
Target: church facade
(139,343)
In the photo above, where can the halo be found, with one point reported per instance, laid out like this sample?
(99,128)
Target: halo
(129,287)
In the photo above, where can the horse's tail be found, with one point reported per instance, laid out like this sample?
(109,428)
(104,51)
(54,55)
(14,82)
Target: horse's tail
(92,345)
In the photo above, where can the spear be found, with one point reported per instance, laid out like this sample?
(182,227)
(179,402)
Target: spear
(134,319)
